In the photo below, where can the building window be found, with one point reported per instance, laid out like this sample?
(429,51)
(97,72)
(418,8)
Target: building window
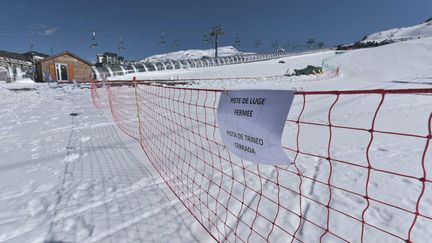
(62,73)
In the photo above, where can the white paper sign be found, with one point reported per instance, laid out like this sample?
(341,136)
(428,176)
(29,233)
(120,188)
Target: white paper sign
(251,123)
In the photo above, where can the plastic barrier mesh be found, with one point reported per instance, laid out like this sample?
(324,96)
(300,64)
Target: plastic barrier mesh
(359,171)
(99,95)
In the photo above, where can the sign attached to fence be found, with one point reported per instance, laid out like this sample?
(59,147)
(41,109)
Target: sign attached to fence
(251,123)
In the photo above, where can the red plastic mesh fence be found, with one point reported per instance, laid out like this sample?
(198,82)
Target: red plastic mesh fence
(99,95)
(359,171)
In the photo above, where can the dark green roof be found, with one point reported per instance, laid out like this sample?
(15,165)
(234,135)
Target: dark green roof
(34,53)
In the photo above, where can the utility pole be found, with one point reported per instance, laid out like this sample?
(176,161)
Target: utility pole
(55,68)
(31,44)
(216,31)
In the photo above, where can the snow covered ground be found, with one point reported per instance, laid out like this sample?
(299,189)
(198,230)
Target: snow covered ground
(68,174)
(261,69)
(398,65)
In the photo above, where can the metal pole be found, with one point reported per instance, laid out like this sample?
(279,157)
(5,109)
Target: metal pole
(55,69)
(216,45)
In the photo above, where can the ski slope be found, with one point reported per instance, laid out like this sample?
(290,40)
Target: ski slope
(400,62)
(254,69)
(67,174)
(389,66)
(423,30)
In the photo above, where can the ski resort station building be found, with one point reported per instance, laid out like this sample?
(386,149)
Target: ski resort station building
(16,66)
(63,67)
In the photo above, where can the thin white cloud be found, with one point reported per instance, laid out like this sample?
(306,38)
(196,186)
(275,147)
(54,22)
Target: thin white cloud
(20,5)
(49,31)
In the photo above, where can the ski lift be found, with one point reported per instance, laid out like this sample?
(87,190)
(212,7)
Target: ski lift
(175,44)
(121,46)
(275,46)
(162,39)
(237,42)
(207,39)
(258,44)
(93,40)
(286,46)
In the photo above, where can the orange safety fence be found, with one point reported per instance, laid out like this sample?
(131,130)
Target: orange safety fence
(359,171)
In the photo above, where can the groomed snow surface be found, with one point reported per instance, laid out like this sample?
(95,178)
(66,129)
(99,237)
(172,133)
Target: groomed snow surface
(423,30)
(68,174)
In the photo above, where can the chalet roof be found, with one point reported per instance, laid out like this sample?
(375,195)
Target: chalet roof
(66,53)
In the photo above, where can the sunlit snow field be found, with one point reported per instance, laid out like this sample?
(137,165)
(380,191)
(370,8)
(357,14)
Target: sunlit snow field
(68,174)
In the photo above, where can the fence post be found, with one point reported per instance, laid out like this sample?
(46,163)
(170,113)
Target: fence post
(138,110)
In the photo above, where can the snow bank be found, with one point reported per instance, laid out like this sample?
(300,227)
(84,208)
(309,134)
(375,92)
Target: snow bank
(25,81)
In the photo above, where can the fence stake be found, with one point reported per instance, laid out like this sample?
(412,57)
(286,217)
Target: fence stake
(138,109)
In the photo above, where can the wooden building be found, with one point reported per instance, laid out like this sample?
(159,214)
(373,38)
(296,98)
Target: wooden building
(63,67)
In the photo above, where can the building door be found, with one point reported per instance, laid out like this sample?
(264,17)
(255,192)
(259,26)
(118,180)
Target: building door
(62,72)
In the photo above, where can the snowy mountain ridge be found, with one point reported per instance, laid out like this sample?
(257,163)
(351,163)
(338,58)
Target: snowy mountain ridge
(193,54)
(422,30)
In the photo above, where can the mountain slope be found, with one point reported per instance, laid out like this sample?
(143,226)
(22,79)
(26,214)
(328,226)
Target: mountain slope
(400,34)
(193,54)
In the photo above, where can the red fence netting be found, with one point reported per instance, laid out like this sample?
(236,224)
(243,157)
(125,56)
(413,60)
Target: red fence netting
(359,171)
(99,95)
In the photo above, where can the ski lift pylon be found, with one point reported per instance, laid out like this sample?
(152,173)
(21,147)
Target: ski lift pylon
(120,45)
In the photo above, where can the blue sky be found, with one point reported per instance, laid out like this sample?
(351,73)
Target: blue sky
(67,25)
